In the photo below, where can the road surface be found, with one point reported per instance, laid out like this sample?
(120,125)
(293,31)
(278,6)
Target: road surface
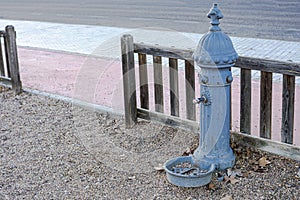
(271,19)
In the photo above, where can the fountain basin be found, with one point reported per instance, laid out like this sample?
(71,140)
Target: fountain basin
(184,172)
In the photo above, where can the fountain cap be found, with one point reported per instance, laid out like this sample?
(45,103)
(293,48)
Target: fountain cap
(215,48)
(215,15)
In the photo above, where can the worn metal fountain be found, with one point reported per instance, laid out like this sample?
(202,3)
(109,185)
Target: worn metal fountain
(214,56)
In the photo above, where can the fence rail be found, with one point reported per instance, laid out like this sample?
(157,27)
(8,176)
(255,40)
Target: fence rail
(246,64)
(9,65)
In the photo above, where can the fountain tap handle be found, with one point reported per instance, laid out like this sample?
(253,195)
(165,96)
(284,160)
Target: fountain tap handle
(202,99)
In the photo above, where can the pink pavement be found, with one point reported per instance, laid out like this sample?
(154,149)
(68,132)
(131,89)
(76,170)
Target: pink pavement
(99,80)
(73,75)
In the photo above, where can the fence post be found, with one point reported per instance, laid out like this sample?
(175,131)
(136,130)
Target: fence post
(144,91)
(266,105)
(2,71)
(174,88)
(245,111)
(129,80)
(190,89)
(288,99)
(158,84)
(12,58)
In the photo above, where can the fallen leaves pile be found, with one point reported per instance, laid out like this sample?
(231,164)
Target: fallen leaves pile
(255,165)
(250,162)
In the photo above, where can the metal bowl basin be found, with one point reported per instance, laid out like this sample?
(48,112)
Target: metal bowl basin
(184,172)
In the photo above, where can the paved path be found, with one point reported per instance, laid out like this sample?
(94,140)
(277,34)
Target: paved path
(104,41)
(83,62)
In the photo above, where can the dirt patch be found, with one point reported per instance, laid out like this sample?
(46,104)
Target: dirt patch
(50,149)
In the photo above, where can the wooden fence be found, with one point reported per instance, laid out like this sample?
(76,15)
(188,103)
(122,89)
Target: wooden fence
(267,67)
(9,66)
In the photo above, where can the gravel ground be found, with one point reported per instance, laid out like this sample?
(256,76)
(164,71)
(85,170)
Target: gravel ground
(54,150)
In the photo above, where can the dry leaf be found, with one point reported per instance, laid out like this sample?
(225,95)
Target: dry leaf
(248,152)
(246,174)
(226,178)
(260,169)
(231,179)
(263,162)
(228,197)
(211,186)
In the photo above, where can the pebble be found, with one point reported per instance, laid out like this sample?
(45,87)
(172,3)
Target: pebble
(34,160)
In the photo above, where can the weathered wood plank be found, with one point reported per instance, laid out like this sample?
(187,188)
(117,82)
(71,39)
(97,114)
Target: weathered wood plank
(129,80)
(278,148)
(143,73)
(5,81)
(5,56)
(12,56)
(190,89)
(230,109)
(245,110)
(174,88)
(266,105)
(247,64)
(288,98)
(2,71)
(274,66)
(174,121)
(167,52)
(158,84)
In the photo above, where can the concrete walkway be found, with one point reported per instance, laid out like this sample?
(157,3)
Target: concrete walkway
(83,62)
(104,41)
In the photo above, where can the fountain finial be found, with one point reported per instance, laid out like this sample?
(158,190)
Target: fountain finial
(215,15)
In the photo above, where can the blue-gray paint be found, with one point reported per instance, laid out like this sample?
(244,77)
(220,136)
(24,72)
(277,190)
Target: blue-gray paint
(215,56)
